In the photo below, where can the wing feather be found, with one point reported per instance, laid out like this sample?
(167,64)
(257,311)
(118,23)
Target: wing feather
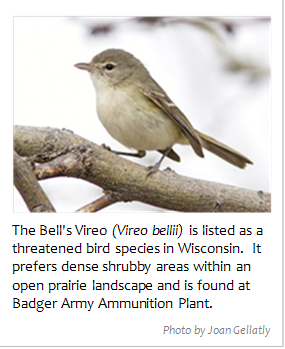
(170,109)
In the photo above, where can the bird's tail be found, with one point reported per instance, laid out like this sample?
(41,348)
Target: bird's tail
(223,151)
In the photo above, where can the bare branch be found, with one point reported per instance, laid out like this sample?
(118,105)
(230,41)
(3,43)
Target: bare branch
(99,204)
(26,183)
(228,24)
(99,166)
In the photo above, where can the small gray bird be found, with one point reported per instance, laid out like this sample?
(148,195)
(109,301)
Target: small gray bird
(137,112)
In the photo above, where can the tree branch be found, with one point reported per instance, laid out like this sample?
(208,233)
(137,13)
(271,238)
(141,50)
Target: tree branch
(228,24)
(97,205)
(124,180)
(26,183)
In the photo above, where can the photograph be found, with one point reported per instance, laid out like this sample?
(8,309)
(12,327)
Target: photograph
(142,114)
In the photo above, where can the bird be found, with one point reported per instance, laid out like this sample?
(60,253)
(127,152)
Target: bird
(138,113)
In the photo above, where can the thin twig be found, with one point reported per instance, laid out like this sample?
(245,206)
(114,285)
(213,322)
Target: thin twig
(97,205)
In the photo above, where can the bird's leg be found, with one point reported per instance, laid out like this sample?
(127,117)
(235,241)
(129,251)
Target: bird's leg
(155,167)
(139,154)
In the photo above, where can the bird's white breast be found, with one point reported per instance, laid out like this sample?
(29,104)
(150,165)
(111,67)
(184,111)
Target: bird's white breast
(133,120)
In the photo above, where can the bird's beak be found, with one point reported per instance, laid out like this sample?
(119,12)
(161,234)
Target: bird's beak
(84,66)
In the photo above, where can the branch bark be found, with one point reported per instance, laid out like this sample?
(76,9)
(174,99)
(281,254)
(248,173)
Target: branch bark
(27,184)
(63,153)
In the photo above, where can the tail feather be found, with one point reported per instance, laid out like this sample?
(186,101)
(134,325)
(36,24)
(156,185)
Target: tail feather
(223,151)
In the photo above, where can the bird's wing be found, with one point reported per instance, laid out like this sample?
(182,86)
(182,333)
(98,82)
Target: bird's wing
(170,109)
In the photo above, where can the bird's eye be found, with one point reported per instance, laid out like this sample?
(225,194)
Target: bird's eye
(109,66)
